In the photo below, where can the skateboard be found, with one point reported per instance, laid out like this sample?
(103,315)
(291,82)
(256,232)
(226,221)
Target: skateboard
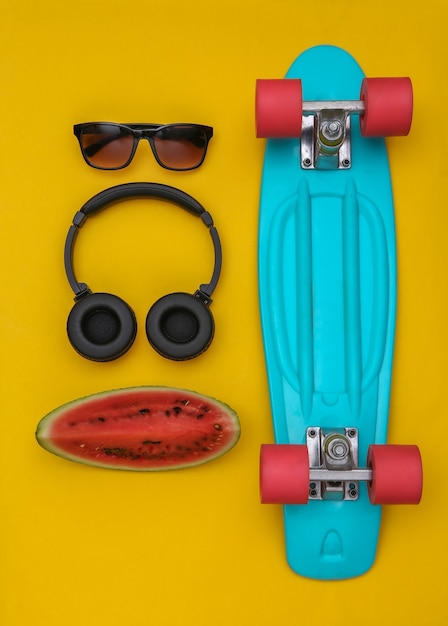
(327,291)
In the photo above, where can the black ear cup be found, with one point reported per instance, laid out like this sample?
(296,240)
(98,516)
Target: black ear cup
(101,327)
(180,326)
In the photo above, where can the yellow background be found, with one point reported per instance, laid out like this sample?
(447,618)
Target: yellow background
(83,546)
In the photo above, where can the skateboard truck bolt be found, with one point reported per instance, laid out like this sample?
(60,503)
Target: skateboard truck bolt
(326,133)
(331,134)
(334,472)
(337,449)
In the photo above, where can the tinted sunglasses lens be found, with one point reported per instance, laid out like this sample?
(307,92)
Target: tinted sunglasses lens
(180,146)
(106,146)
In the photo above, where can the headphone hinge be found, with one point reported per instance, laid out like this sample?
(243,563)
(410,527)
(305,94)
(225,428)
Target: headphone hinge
(79,219)
(207,219)
(83,291)
(203,297)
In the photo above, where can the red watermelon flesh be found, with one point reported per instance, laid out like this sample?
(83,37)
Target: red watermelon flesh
(140,428)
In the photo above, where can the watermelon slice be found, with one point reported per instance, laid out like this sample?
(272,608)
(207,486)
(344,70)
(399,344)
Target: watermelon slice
(140,428)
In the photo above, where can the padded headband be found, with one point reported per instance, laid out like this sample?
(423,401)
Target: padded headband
(127,191)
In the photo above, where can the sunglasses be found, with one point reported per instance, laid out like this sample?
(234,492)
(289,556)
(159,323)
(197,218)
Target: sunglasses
(110,146)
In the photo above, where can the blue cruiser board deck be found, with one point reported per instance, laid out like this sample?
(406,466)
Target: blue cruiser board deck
(327,289)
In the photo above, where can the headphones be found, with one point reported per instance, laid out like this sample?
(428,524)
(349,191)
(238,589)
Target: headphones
(102,327)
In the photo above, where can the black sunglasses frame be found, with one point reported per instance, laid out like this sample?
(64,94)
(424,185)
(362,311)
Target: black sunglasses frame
(138,132)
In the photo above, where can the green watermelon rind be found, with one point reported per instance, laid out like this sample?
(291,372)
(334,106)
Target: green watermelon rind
(44,426)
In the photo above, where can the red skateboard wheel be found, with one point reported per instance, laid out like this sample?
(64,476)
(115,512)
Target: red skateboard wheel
(388,107)
(284,474)
(278,107)
(397,474)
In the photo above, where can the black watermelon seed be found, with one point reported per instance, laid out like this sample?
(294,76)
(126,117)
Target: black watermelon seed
(177,410)
(199,416)
(120,452)
(143,411)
